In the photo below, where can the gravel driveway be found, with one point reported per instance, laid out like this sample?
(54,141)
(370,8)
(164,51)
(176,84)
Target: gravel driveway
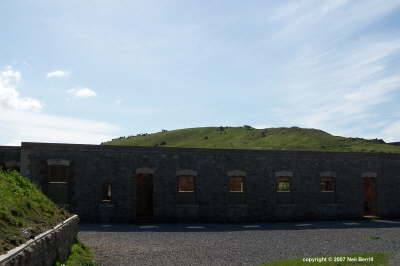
(237,244)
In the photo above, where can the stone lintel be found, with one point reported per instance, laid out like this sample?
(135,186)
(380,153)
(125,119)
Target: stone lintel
(284,173)
(144,170)
(369,174)
(62,162)
(186,172)
(328,174)
(237,173)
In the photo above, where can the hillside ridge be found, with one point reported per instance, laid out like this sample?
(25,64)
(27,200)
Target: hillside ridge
(247,137)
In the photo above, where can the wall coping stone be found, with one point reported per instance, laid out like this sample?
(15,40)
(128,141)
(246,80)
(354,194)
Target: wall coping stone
(369,174)
(91,147)
(15,251)
(62,162)
(10,147)
(237,173)
(328,174)
(283,173)
(186,172)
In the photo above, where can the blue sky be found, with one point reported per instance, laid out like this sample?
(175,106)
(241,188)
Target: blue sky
(88,71)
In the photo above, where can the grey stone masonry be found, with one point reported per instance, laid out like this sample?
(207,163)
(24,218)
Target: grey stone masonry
(45,249)
(10,157)
(90,167)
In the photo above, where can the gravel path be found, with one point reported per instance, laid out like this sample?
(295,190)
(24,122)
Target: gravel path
(238,244)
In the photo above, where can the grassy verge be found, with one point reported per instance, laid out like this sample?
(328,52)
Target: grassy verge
(378,259)
(80,256)
(24,211)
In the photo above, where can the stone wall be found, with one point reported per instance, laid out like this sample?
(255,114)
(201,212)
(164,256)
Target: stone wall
(10,157)
(45,249)
(91,166)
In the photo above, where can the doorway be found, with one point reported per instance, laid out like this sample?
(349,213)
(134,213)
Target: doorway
(144,195)
(369,189)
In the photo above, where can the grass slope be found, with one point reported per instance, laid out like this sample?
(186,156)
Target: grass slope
(294,138)
(24,211)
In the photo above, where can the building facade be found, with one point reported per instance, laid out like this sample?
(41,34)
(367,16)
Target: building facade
(104,183)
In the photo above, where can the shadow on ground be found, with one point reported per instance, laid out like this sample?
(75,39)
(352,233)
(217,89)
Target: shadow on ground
(220,227)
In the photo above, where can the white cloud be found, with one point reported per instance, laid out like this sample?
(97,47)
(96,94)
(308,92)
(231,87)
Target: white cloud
(17,126)
(18,123)
(374,93)
(391,132)
(308,17)
(9,96)
(263,126)
(342,85)
(58,74)
(82,92)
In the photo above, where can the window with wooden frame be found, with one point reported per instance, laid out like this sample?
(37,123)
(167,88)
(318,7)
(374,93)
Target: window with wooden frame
(236,184)
(107,192)
(186,184)
(58,174)
(327,184)
(283,184)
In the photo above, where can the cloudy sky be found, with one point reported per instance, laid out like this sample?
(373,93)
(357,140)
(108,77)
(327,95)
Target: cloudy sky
(87,71)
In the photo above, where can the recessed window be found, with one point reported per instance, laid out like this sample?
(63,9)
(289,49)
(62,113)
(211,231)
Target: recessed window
(236,184)
(327,184)
(107,192)
(283,184)
(58,174)
(186,184)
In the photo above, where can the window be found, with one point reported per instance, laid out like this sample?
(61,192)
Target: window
(283,184)
(58,174)
(186,184)
(107,192)
(236,184)
(327,184)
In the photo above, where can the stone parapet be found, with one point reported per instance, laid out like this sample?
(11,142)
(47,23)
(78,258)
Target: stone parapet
(46,248)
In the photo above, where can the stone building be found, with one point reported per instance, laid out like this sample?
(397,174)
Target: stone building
(132,184)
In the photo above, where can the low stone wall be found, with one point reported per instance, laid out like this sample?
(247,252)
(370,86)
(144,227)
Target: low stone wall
(46,248)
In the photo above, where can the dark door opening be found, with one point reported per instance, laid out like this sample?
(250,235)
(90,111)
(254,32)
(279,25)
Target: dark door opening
(144,195)
(369,187)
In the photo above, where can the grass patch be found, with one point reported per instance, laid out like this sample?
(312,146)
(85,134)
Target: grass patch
(379,259)
(24,211)
(294,138)
(80,255)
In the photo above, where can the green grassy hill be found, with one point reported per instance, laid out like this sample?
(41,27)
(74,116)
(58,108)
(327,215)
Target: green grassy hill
(246,137)
(24,211)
